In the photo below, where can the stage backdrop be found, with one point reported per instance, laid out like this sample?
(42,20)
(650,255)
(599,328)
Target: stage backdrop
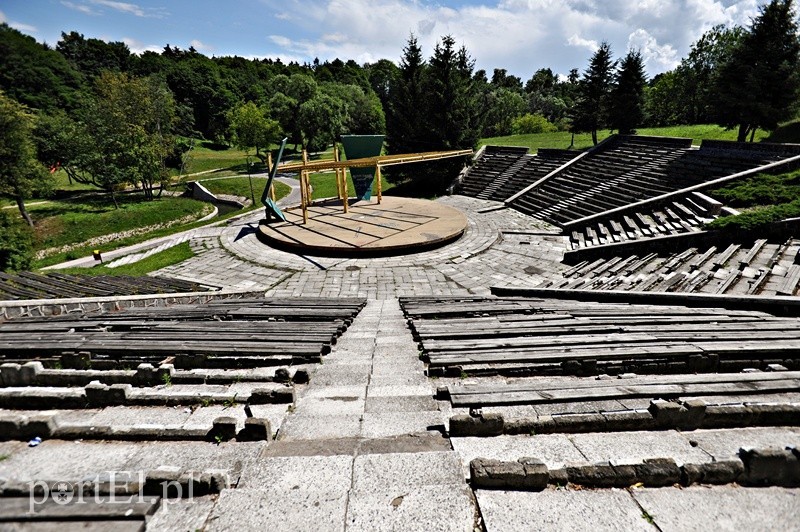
(357,147)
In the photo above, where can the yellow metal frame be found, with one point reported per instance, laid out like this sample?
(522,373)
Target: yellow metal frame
(306,167)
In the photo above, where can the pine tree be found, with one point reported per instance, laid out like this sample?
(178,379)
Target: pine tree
(405,120)
(591,109)
(626,109)
(758,86)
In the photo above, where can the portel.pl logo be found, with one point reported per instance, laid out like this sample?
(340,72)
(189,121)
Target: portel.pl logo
(113,487)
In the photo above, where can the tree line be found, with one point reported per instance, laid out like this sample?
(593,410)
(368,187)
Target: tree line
(109,117)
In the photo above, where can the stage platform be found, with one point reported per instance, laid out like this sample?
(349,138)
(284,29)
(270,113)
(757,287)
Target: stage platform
(397,226)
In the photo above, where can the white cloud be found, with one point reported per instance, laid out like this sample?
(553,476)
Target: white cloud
(200,46)
(519,35)
(26,28)
(657,57)
(133,9)
(589,44)
(137,47)
(83,8)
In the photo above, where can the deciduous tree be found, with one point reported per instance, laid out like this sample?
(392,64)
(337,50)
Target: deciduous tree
(758,86)
(21,174)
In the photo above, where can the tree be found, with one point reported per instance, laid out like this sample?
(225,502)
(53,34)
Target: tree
(92,56)
(251,128)
(758,86)
(382,75)
(20,173)
(662,108)
(626,109)
(364,111)
(453,117)
(123,135)
(35,75)
(321,119)
(694,77)
(528,124)
(16,244)
(591,110)
(406,116)
(504,106)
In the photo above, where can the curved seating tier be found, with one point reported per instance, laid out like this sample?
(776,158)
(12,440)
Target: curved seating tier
(628,170)
(503,171)
(758,268)
(27,285)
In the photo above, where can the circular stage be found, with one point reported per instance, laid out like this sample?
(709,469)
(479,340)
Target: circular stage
(396,226)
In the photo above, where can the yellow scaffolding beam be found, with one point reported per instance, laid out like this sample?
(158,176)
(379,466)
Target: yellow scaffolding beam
(306,167)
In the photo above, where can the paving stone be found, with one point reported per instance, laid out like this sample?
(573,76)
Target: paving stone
(203,416)
(566,510)
(351,375)
(725,443)
(311,473)
(632,447)
(62,460)
(578,407)
(194,456)
(299,510)
(141,416)
(182,514)
(398,471)
(422,508)
(275,413)
(396,423)
(392,390)
(553,449)
(721,508)
(297,427)
(336,391)
(330,406)
(408,403)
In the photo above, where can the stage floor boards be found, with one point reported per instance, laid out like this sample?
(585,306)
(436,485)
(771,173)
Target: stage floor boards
(396,226)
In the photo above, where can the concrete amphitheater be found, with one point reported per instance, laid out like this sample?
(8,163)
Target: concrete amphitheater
(585,356)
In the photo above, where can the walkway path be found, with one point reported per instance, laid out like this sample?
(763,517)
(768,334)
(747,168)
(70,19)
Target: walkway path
(499,247)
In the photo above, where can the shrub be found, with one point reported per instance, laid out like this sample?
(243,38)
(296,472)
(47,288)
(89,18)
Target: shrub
(16,243)
(758,217)
(761,189)
(529,124)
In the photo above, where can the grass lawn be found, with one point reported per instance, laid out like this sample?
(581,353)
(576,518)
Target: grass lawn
(229,161)
(154,262)
(324,185)
(67,222)
(240,186)
(562,139)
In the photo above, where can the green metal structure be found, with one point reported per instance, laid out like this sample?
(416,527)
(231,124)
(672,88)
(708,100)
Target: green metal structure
(272,208)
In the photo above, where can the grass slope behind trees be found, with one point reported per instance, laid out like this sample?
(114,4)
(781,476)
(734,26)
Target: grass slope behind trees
(562,139)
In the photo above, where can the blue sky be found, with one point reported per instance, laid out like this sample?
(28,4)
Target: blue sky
(518,35)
